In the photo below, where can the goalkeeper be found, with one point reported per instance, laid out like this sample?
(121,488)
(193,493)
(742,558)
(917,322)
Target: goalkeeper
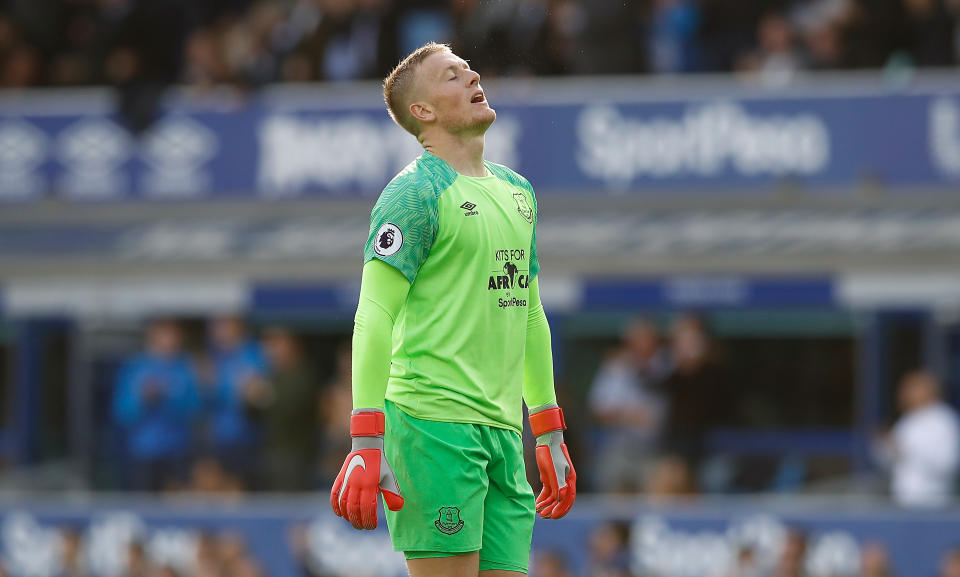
(449,339)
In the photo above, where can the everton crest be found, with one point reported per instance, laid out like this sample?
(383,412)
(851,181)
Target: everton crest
(449,521)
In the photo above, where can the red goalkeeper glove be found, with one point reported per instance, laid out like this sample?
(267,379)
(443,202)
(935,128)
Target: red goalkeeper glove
(556,470)
(365,472)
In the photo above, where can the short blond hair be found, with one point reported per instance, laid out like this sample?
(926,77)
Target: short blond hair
(397,86)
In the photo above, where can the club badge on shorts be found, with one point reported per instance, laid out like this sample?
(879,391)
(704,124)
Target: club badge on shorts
(449,521)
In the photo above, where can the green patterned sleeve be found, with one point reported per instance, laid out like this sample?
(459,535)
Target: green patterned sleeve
(534,261)
(403,225)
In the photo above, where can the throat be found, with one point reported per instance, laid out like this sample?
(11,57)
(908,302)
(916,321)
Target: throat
(463,155)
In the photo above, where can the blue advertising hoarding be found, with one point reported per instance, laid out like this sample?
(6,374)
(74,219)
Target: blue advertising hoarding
(584,138)
(672,540)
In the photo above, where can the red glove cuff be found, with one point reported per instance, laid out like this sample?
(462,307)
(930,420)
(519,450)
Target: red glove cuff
(368,424)
(546,421)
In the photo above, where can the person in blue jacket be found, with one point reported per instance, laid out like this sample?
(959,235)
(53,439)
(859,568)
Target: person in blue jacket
(154,403)
(241,391)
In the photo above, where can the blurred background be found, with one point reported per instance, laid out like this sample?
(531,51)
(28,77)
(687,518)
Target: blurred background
(750,239)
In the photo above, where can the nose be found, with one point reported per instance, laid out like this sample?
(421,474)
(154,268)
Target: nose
(474,78)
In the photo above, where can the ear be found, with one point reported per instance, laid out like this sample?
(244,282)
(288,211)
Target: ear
(422,112)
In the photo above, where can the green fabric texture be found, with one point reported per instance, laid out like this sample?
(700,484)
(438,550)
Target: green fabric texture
(383,290)
(410,202)
(459,340)
(465,489)
(538,387)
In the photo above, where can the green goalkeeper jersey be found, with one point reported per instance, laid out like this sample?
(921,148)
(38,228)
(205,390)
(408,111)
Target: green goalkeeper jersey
(468,247)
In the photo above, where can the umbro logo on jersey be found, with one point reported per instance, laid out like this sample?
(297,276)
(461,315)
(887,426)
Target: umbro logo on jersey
(469,206)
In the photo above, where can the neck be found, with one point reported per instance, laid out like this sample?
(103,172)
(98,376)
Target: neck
(463,153)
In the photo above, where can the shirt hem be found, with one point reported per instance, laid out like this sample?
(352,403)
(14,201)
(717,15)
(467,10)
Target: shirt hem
(486,422)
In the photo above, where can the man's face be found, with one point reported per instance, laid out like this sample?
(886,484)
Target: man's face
(642,340)
(451,91)
(227,332)
(916,392)
(164,338)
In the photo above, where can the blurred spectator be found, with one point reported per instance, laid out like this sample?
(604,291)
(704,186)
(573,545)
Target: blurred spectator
(166,571)
(291,416)
(555,42)
(234,558)
(923,449)
(950,563)
(208,477)
(793,556)
(241,393)
(823,25)
(484,34)
(138,563)
(875,561)
(206,562)
(609,551)
(629,411)
(696,391)
(155,401)
(931,32)
(745,564)
(299,542)
(550,564)
(609,41)
(423,21)
(21,69)
(668,478)
(673,36)
(73,563)
(206,65)
(141,47)
(247,568)
(776,58)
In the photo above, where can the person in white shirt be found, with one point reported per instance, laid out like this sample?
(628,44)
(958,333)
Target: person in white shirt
(923,449)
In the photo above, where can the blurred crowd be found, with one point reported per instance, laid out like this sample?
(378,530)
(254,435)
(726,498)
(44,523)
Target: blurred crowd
(237,415)
(656,399)
(143,46)
(252,42)
(233,413)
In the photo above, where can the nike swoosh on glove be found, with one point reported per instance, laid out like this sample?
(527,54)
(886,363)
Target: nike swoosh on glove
(556,469)
(365,473)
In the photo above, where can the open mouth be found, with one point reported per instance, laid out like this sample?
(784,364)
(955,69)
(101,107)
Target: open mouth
(477,98)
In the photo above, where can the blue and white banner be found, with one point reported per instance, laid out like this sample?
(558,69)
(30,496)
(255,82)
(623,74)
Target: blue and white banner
(284,537)
(572,137)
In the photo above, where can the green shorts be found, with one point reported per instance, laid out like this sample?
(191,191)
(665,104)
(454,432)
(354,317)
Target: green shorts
(465,489)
